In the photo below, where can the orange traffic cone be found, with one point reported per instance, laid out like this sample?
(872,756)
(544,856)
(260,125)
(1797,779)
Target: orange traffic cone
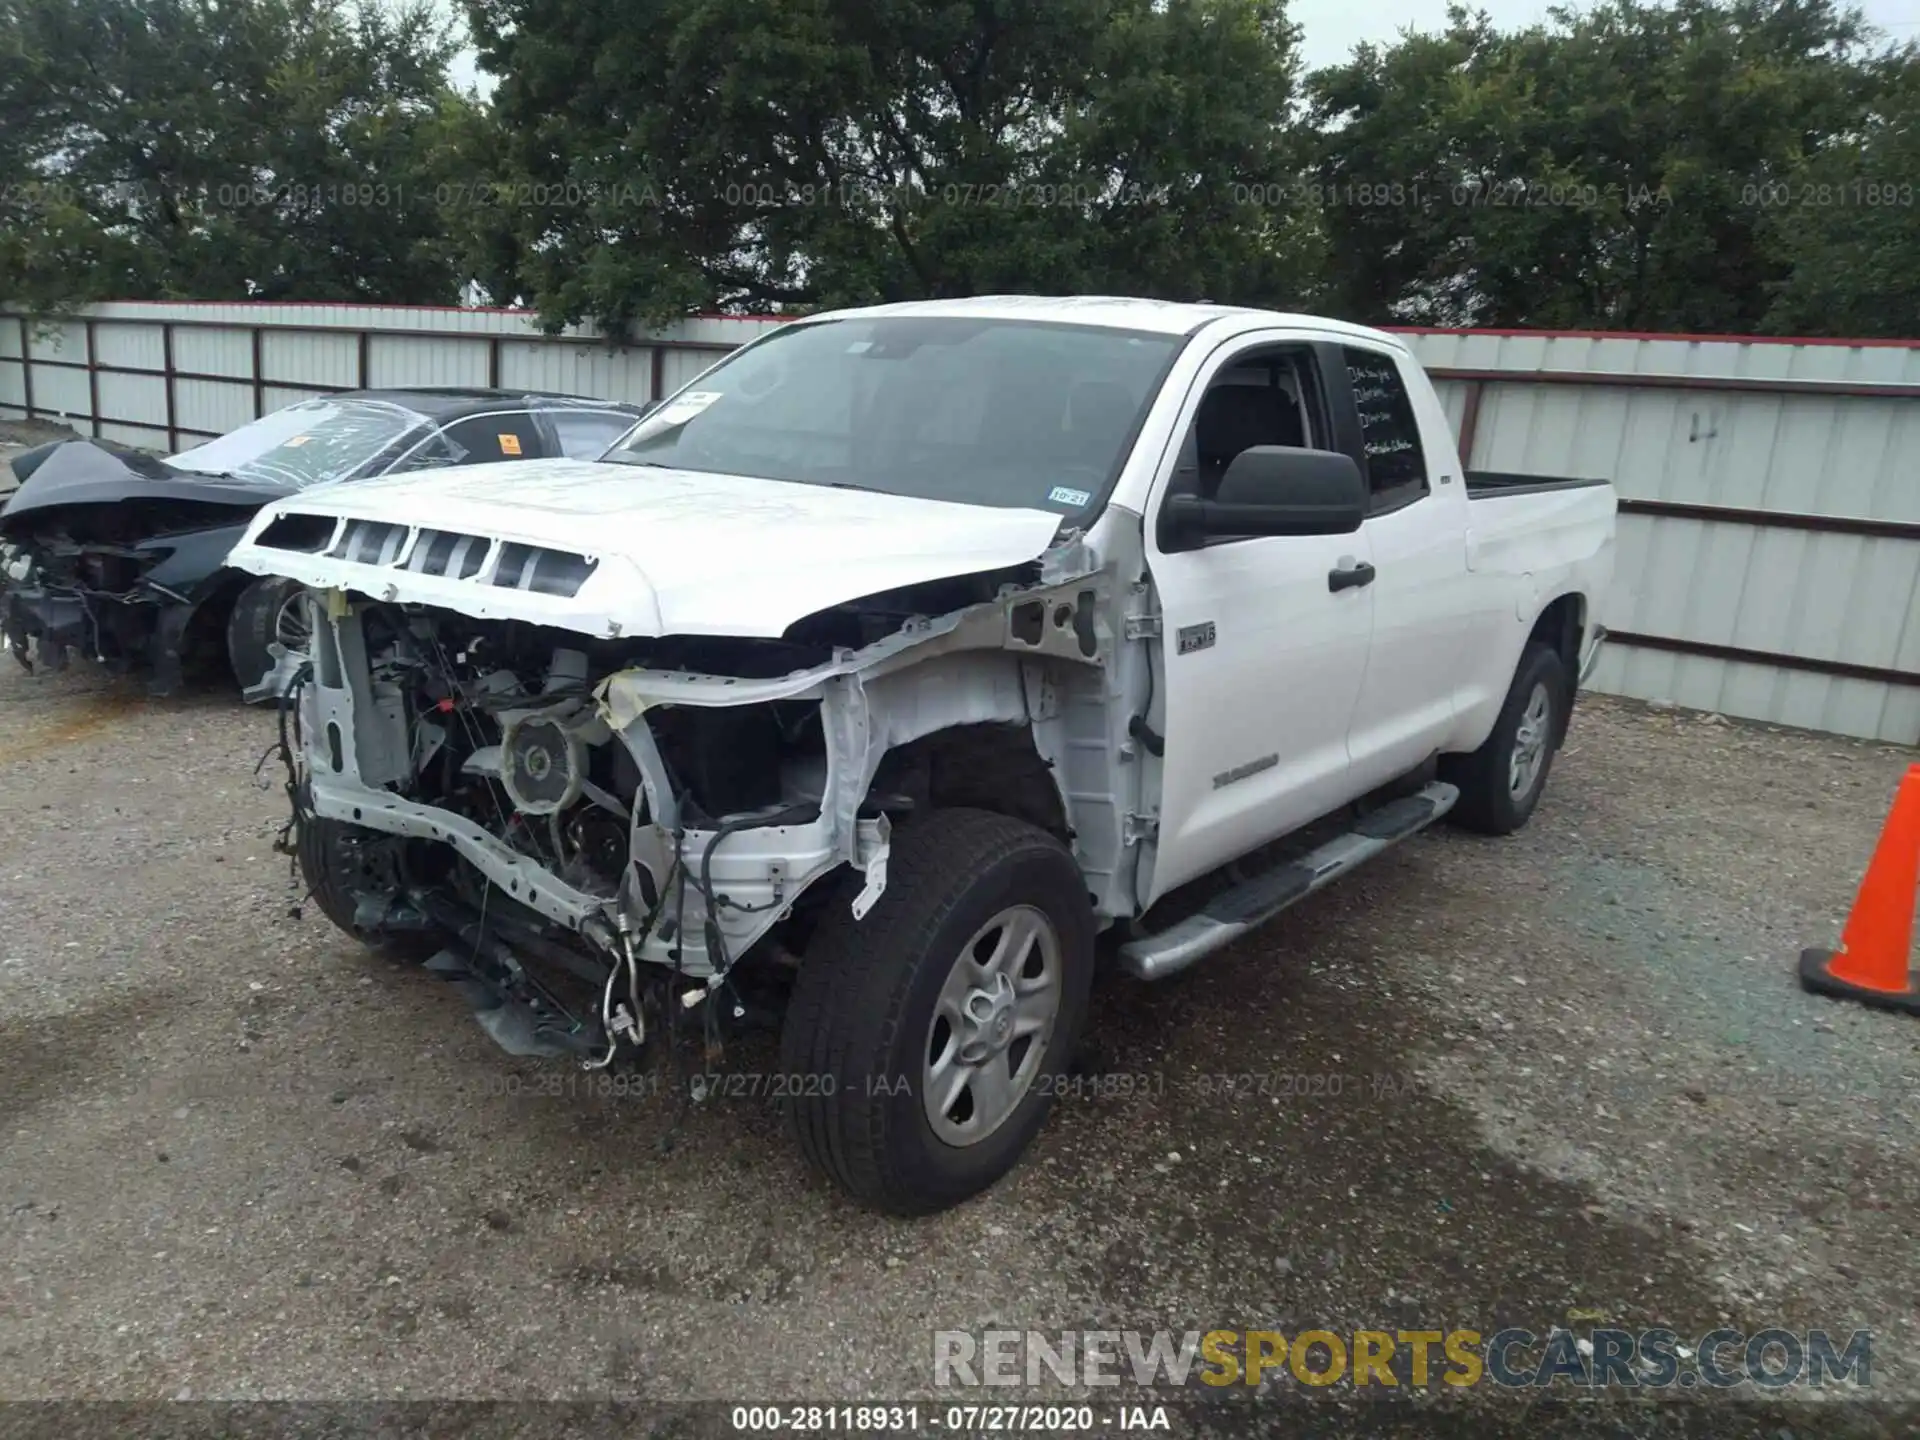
(1871,965)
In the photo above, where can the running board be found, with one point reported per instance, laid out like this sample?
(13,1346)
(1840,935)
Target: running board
(1253,902)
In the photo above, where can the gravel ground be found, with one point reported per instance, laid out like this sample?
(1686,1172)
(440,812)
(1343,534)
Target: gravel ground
(240,1157)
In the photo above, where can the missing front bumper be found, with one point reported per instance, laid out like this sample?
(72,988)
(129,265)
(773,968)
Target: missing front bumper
(42,626)
(46,627)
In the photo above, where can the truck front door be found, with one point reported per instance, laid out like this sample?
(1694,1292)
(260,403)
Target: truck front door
(1262,657)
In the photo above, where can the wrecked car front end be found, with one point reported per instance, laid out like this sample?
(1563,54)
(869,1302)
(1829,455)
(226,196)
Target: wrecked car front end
(825,695)
(598,822)
(119,555)
(112,554)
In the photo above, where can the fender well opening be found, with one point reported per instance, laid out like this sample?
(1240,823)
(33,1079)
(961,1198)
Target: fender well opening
(1562,625)
(993,766)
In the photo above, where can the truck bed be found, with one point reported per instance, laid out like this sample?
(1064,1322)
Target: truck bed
(1557,533)
(1498,484)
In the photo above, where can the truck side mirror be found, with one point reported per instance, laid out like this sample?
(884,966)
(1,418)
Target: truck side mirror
(1271,490)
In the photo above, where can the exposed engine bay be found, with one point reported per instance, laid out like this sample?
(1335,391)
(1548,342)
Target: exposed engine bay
(601,829)
(120,557)
(119,584)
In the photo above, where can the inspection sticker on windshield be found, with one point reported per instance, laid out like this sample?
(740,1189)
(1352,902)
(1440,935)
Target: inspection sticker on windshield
(688,406)
(297,440)
(1064,495)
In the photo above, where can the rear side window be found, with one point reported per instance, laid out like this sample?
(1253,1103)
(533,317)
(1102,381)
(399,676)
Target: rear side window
(1396,470)
(586,434)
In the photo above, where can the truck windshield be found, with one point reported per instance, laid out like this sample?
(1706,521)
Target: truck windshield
(1008,413)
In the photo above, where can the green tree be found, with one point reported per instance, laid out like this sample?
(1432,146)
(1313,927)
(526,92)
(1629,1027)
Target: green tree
(226,149)
(1847,221)
(762,154)
(1599,170)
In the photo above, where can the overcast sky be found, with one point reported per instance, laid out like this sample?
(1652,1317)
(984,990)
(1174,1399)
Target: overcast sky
(1333,27)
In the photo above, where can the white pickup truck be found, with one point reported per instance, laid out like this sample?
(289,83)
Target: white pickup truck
(874,675)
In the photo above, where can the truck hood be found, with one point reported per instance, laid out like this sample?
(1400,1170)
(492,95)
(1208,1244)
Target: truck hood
(611,550)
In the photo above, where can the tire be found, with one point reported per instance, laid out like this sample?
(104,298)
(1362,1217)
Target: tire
(255,623)
(867,1009)
(1493,800)
(335,860)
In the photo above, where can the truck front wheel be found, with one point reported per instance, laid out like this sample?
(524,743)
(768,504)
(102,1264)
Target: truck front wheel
(1500,783)
(921,1043)
(337,862)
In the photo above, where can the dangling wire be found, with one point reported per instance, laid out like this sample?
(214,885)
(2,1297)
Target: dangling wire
(289,742)
(679,879)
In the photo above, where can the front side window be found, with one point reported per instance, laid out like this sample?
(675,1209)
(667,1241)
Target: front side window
(1008,413)
(1396,469)
(1263,398)
(511,435)
(306,444)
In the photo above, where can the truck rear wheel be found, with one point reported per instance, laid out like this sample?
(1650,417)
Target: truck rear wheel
(1501,782)
(919,1042)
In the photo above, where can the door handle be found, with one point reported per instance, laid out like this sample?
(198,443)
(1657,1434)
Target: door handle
(1350,577)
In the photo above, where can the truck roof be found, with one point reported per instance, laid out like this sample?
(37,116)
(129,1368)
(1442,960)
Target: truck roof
(1118,312)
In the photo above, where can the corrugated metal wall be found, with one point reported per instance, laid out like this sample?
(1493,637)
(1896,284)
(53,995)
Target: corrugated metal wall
(106,371)
(1769,562)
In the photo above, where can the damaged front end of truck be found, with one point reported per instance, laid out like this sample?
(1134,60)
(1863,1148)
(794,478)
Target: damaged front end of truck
(588,829)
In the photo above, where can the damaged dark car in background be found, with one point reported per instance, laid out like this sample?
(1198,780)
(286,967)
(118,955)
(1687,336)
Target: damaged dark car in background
(120,556)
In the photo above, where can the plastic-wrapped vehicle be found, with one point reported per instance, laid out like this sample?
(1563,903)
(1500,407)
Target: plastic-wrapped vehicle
(121,555)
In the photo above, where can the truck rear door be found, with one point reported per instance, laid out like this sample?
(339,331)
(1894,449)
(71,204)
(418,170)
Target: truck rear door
(1416,532)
